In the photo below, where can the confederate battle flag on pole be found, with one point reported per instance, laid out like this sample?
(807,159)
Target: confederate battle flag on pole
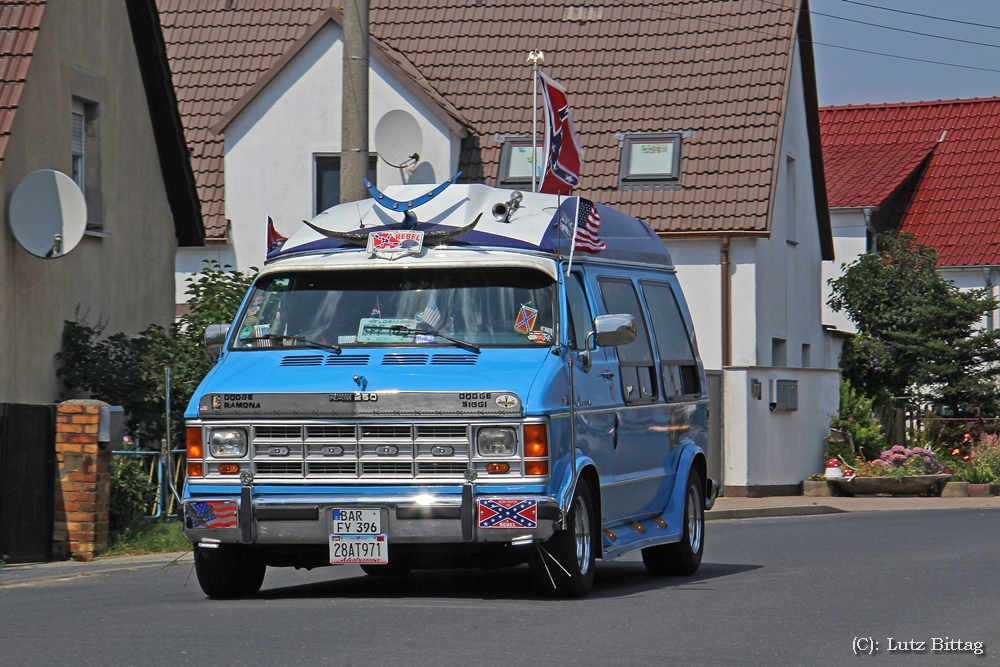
(274,239)
(563,155)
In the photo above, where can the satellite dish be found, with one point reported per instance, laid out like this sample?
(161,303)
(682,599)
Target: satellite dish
(398,139)
(48,213)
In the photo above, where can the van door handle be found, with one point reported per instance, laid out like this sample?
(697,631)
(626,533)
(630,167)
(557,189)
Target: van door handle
(607,375)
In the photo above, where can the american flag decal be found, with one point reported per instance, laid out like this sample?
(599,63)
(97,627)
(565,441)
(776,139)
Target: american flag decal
(588,232)
(508,513)
(211,514)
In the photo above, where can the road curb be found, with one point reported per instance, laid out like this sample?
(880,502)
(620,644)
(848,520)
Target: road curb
(769,512)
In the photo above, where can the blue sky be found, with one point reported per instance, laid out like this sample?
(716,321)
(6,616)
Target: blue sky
(846,77)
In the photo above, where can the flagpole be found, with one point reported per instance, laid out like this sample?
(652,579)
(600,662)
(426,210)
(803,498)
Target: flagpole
(572,240)
(534,57)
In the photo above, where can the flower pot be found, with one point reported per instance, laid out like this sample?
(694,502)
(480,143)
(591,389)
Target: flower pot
(860,486)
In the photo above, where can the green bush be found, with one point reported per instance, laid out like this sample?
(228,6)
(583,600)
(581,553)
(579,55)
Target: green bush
(128,370)
(857,419)
(133,493)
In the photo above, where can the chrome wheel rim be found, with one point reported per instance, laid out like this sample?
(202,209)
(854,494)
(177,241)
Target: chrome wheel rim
(695,524)
(581,529)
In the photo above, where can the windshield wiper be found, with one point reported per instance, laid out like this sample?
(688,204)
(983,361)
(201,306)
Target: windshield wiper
(472,347)
(311,343)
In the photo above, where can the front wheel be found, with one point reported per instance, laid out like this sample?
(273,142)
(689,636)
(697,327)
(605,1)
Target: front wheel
(573,549)
(682,558)
(230,571)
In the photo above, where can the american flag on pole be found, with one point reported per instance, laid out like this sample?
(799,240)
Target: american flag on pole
(562,151)
(588,229)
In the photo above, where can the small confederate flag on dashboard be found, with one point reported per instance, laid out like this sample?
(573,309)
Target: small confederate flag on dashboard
(508,513)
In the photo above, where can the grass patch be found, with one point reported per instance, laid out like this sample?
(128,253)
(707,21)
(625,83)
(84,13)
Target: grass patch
(150,537)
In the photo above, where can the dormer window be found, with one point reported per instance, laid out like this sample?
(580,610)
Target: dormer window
(650,159)
(516,162)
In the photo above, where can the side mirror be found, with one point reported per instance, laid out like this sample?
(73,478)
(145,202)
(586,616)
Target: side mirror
(215,338)
(614,330)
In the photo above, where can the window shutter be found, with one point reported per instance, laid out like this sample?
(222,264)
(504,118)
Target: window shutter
(77,129)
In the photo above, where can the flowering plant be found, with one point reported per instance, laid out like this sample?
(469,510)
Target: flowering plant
(899,461)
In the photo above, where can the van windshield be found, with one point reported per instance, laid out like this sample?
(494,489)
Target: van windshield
(499,307)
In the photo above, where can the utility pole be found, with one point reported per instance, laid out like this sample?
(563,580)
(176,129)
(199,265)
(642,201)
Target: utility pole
(354,115)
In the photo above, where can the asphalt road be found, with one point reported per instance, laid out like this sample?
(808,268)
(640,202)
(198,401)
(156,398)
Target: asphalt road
(771,592)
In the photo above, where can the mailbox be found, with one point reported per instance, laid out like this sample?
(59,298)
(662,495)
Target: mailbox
(111,427)
(784,395)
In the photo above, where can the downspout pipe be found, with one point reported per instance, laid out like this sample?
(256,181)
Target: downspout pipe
(727,359)
(868,210)
(988,279)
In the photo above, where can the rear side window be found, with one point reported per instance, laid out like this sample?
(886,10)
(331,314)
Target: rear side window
(579,323)
(635,360)
(673,341)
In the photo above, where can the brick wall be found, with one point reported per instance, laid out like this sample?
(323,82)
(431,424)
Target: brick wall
(83,482)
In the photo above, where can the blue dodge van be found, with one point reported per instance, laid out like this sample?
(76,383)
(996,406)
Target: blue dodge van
(462,377)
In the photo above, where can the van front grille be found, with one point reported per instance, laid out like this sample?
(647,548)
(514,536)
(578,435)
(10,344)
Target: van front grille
(326,468)
(441,469)
(276,468)
(383,468)
(278,432)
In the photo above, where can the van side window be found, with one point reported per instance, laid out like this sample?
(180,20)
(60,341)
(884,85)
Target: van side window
(579,323)
(635,359)
(680,371)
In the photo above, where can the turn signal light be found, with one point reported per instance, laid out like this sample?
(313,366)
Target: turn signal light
(194,446)
(536,467)
(497,468)
(229,468)
(194,469)
(536,441)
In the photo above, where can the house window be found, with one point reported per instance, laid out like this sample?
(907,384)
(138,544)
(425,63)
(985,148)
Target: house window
(85,153)
(516,162)
(327,188)
(650,159)
(806,355)
(790,200)
(78,144)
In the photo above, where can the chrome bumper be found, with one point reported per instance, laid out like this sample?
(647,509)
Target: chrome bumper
(407,519)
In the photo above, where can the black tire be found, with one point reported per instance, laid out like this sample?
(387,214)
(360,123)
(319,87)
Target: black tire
(575,548)
(231,571)
(682,558)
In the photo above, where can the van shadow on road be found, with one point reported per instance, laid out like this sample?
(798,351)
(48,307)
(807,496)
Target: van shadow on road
(613,580)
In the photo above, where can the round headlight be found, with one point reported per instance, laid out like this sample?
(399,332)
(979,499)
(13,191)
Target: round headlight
(228,442)
(497,442)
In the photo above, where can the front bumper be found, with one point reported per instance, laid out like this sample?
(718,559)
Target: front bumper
(406,518)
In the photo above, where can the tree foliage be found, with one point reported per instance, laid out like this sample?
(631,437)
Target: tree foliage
(919,336)
(128,370)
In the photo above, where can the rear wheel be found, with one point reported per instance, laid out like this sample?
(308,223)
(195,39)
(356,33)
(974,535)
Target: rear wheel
(573,548)
(230,571)
(682,558)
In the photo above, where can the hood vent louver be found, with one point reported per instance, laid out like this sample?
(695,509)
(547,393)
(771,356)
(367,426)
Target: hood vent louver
(454,360)
(404,360)
(302,360)
(347,360)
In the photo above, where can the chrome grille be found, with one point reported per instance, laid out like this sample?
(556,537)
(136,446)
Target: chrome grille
(441,469)
(442,431)
(349,468)
(386,468)
(364,451)
(386,432)
(278,432)
(331,431)
(279,468)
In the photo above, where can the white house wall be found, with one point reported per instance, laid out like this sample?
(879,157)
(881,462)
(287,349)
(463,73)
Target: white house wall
(270,145)
(789,261)
(850,241)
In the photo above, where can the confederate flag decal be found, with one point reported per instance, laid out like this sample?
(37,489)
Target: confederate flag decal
(508,513)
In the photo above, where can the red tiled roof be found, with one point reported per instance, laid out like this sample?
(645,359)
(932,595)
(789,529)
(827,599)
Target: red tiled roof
(216,55)
(717,70)
(19,23)
(955,207)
